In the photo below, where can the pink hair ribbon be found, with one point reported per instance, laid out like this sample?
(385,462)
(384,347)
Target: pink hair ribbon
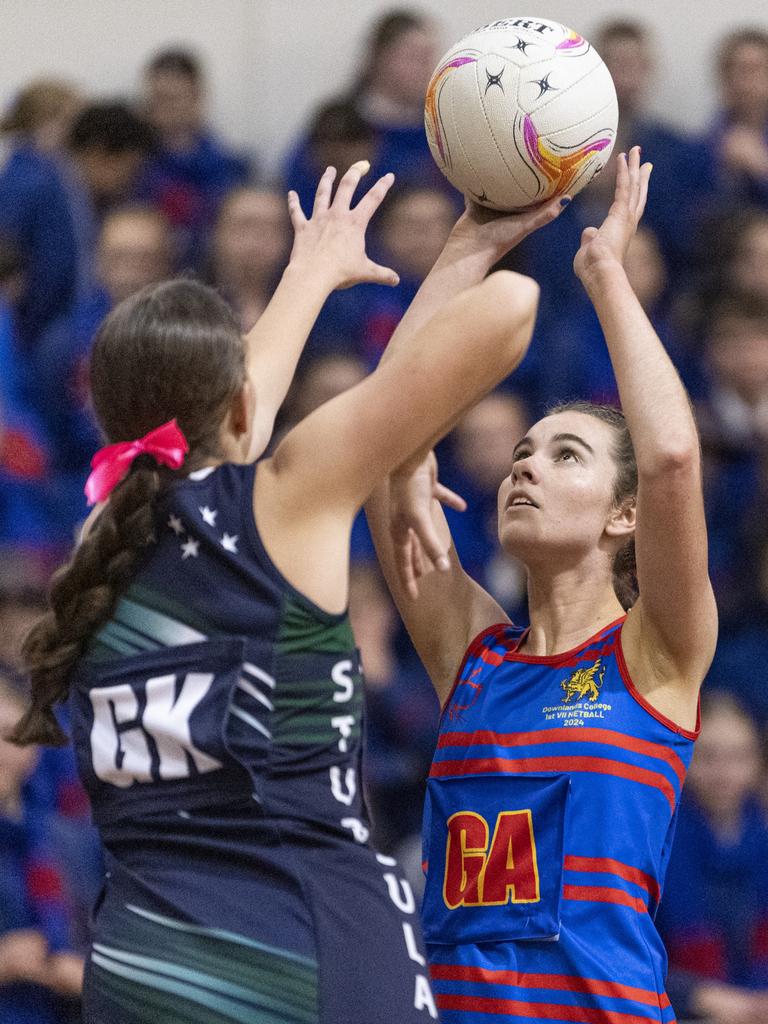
(166,444)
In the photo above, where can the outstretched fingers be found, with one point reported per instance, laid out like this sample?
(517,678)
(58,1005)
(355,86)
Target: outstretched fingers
(323,193)
(633,165)
(645,177)
(295,211)
(349,183)
(374,197)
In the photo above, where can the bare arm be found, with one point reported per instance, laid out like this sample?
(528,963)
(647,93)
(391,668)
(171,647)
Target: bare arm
(448,608)
(672,631)
(328,253)
(442,610)
(307,494)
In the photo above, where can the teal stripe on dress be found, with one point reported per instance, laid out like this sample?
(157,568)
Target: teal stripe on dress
(224,935)
(115,643)
(162,628)
(117,631)
(150,969)
(216,991)
(223,1008)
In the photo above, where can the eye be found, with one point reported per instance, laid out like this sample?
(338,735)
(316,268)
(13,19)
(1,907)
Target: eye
(567,455)
(523,453)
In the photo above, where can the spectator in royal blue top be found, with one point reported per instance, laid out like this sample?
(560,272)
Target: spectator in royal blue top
(733,421)
(191,169)
(411,232)
(388,96)
(133,250)
(714,912)
(737,145)
(34,210)
(627,49)
(39,966)
(249,249)
(24,455)
(337,136)
(51,208)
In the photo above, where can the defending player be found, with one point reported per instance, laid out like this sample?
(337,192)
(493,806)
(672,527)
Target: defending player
(200,633)
(563,748)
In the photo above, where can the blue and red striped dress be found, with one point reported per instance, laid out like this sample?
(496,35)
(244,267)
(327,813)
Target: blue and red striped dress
(550,815)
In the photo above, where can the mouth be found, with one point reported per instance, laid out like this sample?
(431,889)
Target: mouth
(520,501)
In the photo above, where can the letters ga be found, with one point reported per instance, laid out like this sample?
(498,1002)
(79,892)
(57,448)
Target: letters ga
(483,874)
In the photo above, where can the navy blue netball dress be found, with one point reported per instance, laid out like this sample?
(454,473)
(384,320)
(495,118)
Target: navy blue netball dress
(217,721)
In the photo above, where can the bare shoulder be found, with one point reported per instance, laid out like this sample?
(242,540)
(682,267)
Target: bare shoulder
(668,681)
(306,541)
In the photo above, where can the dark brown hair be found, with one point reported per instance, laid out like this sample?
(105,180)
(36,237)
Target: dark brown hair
(386,31)
(621,29)
(173,350)
(624,488)
(747,36)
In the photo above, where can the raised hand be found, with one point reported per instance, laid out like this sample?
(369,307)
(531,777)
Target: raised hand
(333,238)
(417,543)
(481,229)
(609,242)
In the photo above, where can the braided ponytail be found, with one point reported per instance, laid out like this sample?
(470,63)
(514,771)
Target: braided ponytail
(171,350)
(82,597)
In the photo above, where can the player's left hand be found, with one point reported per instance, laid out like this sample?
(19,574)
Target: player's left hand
(416,541)
(609,243)
(331,241)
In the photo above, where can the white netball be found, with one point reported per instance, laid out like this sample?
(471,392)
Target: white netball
(520,111)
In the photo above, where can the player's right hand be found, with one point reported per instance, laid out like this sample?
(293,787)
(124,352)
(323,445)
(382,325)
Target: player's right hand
(331,242)
(418,547)
(481,229)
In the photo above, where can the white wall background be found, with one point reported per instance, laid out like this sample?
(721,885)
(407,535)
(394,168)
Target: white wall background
(270,61)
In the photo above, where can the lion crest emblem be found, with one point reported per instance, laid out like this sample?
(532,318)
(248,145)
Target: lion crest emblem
(585,682)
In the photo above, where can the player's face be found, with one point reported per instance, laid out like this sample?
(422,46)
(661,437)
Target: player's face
(557,503)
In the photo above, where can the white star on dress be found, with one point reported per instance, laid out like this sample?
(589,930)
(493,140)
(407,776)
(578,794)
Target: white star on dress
(209,515)
(175,524)
(189,548)
(229,543)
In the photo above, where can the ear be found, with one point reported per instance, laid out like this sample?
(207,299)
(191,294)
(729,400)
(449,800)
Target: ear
(622,520)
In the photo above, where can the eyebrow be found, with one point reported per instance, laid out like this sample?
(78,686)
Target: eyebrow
(577,439)
(526,441)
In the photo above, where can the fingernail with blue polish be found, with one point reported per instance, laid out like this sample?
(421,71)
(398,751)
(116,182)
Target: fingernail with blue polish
(564,201)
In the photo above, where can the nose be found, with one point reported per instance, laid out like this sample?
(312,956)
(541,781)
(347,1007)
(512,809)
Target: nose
(524,469)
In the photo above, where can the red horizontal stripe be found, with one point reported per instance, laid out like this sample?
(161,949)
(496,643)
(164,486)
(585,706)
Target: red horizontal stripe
(563,982)
(609,866)
(599,765)
(603,894)
(540,1011)
(585,735)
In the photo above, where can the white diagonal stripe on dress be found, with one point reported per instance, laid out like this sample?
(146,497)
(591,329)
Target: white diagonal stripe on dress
(250,720)
(259,673)
(250,689)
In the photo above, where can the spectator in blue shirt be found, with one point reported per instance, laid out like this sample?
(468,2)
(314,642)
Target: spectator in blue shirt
(40,970)
(134,250)
(191,169)
(385,109)
(250,243)
(714,912)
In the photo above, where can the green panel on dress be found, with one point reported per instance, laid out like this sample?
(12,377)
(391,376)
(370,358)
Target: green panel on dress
(160,970)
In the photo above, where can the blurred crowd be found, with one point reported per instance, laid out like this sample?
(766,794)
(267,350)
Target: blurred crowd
(100,198)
